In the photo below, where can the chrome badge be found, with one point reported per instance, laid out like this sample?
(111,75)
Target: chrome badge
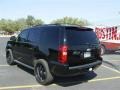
(88,49)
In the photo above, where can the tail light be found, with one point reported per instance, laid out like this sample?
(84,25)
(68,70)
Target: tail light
(62,54)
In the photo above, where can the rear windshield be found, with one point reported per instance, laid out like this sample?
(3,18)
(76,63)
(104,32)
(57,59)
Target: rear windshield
(77,36)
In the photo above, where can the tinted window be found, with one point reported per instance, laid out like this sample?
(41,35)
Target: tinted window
(23,36)
(80,36)
(50,36)
(34,35)
(45,36)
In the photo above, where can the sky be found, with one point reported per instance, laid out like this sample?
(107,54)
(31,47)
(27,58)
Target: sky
(95,11)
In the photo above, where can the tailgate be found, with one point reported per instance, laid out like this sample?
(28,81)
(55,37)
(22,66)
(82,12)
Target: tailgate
(82,54)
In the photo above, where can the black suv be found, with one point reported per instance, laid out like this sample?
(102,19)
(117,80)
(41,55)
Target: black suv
(55,50)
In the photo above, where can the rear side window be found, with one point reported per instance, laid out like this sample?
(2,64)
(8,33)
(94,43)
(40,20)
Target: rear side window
(77,36)
(45,36)
(34,35)
(50,36)
(23,36)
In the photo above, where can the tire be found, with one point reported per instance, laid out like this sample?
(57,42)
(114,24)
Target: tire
(9,57)
(42,72)
(103,50)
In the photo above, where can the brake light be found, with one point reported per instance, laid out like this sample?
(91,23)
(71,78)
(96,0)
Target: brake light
(62,54)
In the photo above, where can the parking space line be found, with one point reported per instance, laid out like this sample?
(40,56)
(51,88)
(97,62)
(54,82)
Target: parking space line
(37,85)
(104,79)
(22,86)
(111,69)
(4,65)
(18,87)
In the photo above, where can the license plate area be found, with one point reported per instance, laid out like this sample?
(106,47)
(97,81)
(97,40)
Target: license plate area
(87,54)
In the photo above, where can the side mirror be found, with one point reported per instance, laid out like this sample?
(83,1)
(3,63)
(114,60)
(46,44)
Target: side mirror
(13,38)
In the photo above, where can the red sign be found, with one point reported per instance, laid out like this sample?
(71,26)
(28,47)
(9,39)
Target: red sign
(110,33)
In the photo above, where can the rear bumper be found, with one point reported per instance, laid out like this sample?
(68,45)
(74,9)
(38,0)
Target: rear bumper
(64,70)
(90,65)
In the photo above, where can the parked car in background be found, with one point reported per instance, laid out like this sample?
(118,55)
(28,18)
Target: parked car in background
(109,38)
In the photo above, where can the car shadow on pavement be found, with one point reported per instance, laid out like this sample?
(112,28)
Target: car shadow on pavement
(66,81)
(70,81)
(116,67)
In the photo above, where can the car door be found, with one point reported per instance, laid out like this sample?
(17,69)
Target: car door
(21,45)
(33,45)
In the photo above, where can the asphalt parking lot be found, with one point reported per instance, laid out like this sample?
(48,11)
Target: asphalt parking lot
(106,77)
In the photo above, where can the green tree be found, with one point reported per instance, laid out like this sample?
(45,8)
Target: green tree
(70,21)
(31,21)
(38,22)
(21,24)
(10,26)
(6,25)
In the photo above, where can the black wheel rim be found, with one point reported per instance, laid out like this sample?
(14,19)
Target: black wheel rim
(40,73)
